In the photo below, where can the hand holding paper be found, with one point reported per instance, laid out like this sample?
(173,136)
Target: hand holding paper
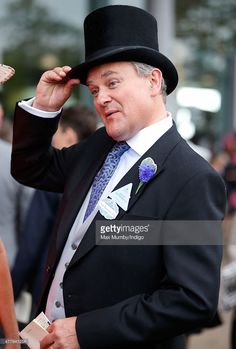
(62,334)
(35,331)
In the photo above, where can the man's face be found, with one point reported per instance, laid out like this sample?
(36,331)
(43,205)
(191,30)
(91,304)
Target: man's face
(122,98)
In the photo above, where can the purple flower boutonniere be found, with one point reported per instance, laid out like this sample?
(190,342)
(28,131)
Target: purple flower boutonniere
(147,169)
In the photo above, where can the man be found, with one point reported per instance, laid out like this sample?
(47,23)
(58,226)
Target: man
(121,296)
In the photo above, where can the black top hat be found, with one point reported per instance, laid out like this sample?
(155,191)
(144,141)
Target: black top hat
(123,33)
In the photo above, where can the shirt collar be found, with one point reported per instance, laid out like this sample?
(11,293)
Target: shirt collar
(145,138)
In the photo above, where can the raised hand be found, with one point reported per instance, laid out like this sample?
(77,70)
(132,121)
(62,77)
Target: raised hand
(53,89)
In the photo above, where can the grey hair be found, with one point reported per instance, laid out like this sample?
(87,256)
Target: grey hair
(144,69)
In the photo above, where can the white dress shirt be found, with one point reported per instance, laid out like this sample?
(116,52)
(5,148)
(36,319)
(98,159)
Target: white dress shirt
(139,144)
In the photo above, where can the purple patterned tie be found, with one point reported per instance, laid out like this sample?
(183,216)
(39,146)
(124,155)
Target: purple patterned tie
(104,175)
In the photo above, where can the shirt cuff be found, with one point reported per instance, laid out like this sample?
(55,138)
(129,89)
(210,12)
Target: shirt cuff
(27,106)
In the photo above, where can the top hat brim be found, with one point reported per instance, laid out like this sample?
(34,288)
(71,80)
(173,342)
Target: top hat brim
(131,53)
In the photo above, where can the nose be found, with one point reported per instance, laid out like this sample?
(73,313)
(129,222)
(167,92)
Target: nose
(103,97)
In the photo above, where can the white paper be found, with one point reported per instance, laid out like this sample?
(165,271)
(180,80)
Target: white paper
(108,208)
(35,331)
(122,196)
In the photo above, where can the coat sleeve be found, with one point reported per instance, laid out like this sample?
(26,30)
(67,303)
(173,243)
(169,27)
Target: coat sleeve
(37,164)
(34,161)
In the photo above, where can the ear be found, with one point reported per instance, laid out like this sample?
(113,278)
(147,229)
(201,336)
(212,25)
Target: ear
(155,79)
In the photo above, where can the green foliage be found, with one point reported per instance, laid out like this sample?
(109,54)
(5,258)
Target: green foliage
(208,28)
(212,21)
(207,31)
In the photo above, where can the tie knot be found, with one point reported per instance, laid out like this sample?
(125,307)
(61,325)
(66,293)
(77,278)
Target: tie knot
(119,149)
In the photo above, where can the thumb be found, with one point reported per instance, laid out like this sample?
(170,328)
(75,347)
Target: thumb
(72,82)
(70,85)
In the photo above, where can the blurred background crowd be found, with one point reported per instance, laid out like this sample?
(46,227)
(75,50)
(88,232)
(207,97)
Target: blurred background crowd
(200,38)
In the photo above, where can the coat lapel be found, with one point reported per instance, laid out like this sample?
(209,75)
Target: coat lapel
(159,153)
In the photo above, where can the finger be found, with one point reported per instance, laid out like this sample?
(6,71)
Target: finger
(70,85)
(52,75)
(73,82)
(47,341)
(61,71)
(50,328)
(56,74)
(66,68)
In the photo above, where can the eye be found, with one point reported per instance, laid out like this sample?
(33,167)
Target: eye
(113,83)
(94,91)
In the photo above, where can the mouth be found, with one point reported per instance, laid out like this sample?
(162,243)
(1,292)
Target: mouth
(111,112)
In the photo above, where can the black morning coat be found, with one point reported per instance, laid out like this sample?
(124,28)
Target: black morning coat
(141,297)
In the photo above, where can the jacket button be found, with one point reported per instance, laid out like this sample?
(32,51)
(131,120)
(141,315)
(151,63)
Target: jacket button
(48,269)
(57,304)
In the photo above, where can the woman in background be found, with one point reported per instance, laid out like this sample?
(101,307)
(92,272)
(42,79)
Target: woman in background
(8,321)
